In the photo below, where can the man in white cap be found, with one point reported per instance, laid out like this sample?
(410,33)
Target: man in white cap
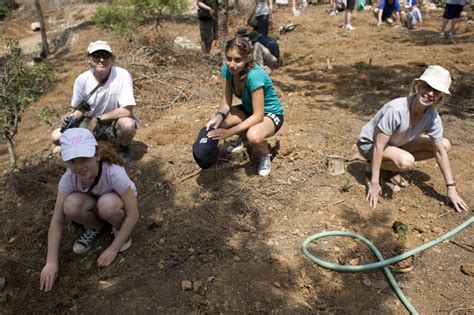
(103,100)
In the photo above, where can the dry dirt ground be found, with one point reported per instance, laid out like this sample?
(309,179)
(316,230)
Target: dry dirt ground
(231,235)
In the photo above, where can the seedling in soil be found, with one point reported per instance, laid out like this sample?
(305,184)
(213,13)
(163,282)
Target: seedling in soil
(347,186)
(401,229)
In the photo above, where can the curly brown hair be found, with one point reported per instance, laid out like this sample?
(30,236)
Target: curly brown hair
(107,153)
(246,52)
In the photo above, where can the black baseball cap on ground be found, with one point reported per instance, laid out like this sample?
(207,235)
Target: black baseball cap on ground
(205,150)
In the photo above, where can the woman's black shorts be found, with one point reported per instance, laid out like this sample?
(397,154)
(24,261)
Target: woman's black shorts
(277,119)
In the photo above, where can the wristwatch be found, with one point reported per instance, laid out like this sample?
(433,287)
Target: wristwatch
(98,119)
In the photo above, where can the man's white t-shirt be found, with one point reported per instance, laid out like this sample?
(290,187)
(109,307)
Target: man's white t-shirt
(115,93)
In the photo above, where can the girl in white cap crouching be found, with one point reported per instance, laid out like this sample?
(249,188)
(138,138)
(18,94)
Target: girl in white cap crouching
(406,130)
(94,190)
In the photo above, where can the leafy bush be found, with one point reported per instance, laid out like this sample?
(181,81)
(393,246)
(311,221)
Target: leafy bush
(155,9)
(3,11)
(20,85)
(49,113)
(119,19)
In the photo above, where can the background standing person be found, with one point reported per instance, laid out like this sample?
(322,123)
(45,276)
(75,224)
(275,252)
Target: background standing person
(94,190)
(259,116)
(350,5)
(208,24)
(263,13)
(108,89)
(406,130)
(452,12)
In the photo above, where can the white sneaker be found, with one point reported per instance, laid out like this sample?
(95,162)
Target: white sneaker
(84,242)
(265,165)
(236,146)
(126,245)
(333,13)
(349,27)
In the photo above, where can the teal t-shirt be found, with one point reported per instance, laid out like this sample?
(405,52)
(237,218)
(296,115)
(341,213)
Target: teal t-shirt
(257,78)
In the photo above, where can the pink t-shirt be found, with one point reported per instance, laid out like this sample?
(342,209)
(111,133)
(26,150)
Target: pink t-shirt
(113,179)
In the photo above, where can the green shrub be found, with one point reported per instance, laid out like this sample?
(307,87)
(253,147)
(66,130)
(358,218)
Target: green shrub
(49,113)
(119,19)
(3,11)
(20,85)
(155,9)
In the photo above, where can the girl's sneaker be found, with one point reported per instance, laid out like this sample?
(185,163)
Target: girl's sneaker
(84,242)
(236,146)
(265,165)
(126,245)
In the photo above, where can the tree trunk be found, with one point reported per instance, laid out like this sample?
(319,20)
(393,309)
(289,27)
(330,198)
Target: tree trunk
(223,14)
(11,149)
(44,40)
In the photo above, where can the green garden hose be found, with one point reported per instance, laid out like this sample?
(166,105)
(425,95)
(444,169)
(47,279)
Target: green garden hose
(382,263)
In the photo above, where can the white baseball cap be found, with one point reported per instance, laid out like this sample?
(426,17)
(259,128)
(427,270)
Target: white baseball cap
(437,77)
(98,45)
(77,142)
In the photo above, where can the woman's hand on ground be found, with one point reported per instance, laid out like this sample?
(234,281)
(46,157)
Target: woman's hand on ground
(48,276)
(107,256)
(214,122)
(373,193)
(457,201)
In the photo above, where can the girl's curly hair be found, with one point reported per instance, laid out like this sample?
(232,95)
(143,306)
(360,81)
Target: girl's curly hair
(107,153)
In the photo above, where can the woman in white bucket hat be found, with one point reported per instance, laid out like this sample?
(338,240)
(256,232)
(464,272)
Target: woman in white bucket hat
(406,130)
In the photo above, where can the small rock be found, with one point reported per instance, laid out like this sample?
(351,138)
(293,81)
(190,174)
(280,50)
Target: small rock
(210,279)
(468,269)
(197,285)
(36,26)
(197,299)
(337,249)
(3,282)
(437,230)
(276,284)
(367,282)
(186,285)
(353,262)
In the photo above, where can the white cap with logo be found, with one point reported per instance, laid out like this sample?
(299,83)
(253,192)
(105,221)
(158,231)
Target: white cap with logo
(77,142)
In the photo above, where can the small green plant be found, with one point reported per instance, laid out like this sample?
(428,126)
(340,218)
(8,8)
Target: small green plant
(119,19)
(347,186)
(49,113)
(401,229)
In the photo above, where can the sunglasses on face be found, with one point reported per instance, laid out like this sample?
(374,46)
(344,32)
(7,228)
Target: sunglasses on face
(431,89)
(101,54)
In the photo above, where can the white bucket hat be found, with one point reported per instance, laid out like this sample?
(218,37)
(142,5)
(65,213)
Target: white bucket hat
(77,142)
(437,77)
(98,45)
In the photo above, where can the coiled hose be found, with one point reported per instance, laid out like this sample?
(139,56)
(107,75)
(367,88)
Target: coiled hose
(382,263)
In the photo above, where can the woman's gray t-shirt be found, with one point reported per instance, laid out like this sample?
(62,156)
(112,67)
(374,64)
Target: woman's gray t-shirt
(113,179)
(393,119)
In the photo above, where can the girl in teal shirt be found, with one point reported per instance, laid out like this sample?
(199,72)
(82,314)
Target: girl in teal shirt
(259,116)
